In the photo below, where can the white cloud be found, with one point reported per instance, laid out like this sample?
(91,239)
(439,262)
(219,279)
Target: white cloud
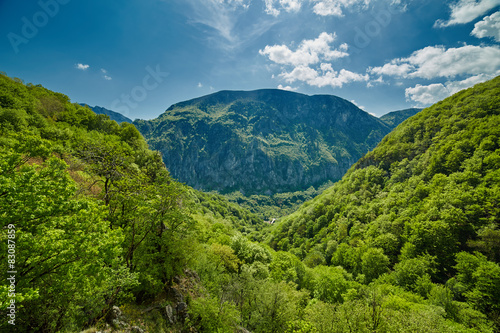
(82,67)
(200,85)
(274,7)
(361,107)
(320,7)
(300,73)
(372,83)
(436,61)
(105,76)
(328,8)
(465,11)
(488,27)
(335,7)
(392,69)
(325,77)
(433,93)
(310,62)
(309,51)
(219,15)
(427,94)
(291,5)
(287,88)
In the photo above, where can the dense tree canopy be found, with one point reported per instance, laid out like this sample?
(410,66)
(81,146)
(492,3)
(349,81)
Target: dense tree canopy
(408,240)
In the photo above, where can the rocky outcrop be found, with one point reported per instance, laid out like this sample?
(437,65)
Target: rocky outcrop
(263,141)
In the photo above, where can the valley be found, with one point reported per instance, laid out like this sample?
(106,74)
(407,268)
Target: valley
(384,224)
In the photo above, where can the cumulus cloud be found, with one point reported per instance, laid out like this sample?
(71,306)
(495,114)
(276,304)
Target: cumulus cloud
(465,11)
(488,27)
(319,7)
(435,92)
(394,68)
(426,95)
(324,77)
(274,7)
(310,62)
(82,67)
(378,81)
(309,51)
(335,7)
(288,88)
(436,61)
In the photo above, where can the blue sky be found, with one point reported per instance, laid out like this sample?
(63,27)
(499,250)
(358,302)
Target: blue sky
(138,57)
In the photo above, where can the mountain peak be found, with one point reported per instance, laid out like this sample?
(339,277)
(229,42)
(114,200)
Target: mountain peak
(262,141)
(118,117)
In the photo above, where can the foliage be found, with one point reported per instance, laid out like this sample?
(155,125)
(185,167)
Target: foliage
(406,241)
(262,142)
(417,205)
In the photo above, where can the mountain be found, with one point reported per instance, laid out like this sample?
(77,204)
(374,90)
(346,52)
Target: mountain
(393,119)
(118,117)
(263,141)
(411,238)
(428,193)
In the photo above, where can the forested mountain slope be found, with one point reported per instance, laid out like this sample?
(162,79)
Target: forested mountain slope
(118,117)
(96,235)
(427,196)
(89,215)
(264,141)
(394,118)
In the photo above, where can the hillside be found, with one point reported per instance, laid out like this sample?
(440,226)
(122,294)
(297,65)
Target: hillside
(118,117)
(425,198)
(393,119)
(98,237)
(90,215)
(264,141)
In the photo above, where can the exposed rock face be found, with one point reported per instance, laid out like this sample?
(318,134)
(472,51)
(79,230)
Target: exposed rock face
(263,141)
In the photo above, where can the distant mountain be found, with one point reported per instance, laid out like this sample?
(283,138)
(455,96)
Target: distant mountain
(263,141)
(118,117)
(393,119)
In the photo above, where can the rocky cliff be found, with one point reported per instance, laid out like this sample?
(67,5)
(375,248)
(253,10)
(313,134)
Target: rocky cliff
(263,141)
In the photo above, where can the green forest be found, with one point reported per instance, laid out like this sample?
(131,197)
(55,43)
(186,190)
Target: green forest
(100,237)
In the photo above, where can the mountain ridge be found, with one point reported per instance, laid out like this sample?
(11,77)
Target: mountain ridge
(113,115)
(395,118)
(226,140)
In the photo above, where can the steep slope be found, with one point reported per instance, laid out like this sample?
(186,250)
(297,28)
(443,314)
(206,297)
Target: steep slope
(89,205)
(118,117)
(431,187)
(102,238)
(393,119)
(263,141)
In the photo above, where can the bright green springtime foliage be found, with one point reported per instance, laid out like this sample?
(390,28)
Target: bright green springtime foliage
(418,206)
(407,241)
